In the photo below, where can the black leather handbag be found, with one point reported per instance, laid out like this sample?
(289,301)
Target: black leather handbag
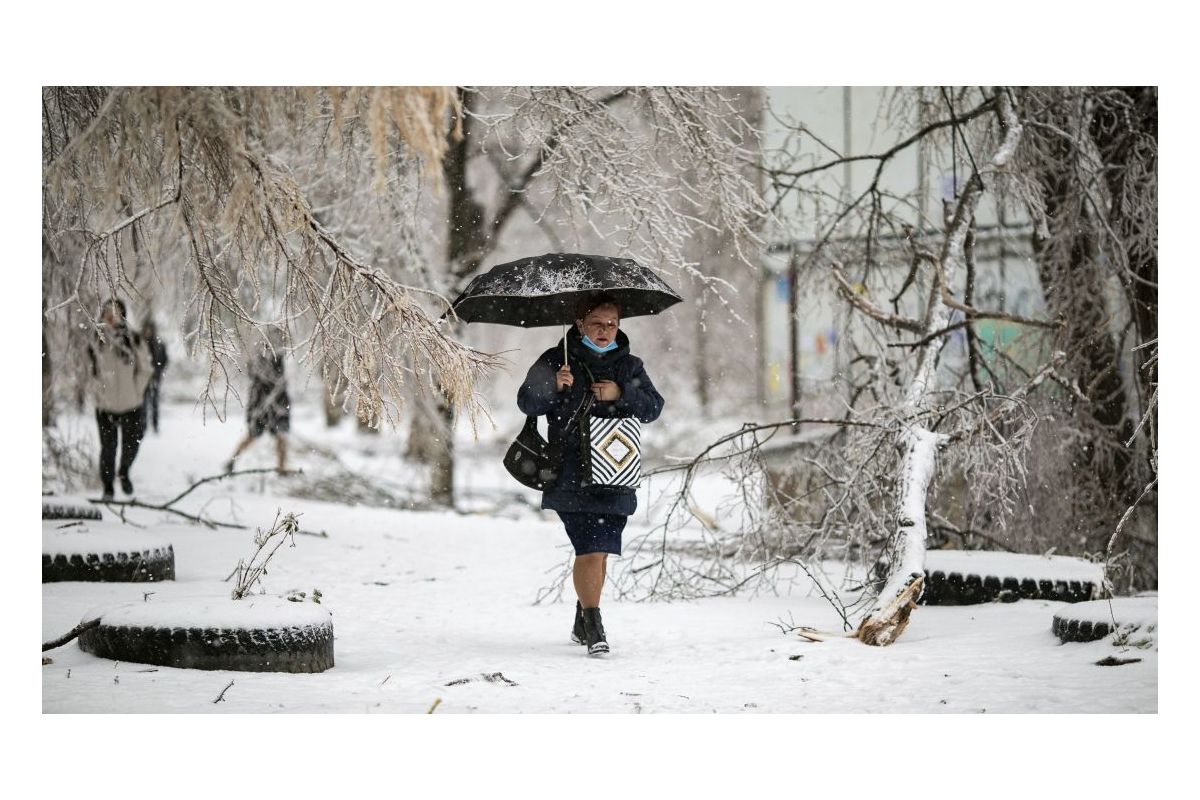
(532,460)
(535,462)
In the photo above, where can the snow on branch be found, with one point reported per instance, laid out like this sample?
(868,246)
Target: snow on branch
(234,240)
(643,167)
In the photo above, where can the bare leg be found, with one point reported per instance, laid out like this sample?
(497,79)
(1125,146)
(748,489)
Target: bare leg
(588,574)
(242,445)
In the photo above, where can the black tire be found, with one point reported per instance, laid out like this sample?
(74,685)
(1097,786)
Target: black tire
(1079,630)
(286,649)
(963,586)
(1079,624)
(62,510)
(145,566)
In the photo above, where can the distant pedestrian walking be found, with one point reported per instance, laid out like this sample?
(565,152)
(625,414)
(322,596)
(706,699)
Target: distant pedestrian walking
(158,357)
(268,409)
(119,369)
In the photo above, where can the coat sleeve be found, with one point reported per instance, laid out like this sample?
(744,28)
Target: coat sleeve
(638,397)
(537,395)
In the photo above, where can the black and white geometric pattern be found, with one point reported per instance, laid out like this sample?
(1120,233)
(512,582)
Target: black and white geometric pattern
(616,446)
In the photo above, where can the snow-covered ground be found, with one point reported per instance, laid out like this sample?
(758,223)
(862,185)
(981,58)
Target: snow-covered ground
(426,604)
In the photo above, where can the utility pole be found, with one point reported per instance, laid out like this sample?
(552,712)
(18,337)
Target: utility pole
(794,334)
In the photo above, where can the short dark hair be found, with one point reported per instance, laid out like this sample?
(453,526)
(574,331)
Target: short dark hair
(589,303)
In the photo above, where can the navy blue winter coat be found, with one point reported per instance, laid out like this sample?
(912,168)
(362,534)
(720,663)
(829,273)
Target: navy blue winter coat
(537,397)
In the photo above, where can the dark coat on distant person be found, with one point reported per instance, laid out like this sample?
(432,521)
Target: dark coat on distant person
(269,408)
(158,354)
(537,397)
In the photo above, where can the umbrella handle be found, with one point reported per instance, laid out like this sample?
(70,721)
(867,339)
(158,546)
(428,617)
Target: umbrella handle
(566,360)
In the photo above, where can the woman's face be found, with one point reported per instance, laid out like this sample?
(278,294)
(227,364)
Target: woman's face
(600,325)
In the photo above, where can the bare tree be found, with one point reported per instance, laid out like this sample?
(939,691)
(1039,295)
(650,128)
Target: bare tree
(861,492)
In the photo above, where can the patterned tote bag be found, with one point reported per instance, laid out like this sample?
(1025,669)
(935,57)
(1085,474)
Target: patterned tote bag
(613,456)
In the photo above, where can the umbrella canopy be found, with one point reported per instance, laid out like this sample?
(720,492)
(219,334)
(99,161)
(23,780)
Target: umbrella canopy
(544,290)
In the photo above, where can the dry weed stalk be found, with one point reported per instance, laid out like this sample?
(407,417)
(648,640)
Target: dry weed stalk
(249,573)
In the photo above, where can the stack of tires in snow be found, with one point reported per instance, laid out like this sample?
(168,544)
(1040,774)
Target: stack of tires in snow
(255,634)
(92,549)
(1132,619)
(966,577)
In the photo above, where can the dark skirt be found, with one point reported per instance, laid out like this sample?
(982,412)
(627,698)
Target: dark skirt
(594,533)
(269,410)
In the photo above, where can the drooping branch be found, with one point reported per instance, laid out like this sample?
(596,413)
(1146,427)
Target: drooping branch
(254,242)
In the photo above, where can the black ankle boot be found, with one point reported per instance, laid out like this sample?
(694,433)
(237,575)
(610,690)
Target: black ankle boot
(593,630)
(577,633)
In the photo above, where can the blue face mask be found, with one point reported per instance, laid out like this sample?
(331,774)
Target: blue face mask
(597,348)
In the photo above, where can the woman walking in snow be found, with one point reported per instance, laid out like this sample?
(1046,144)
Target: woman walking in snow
(600,364)
(268,409)
(119,367)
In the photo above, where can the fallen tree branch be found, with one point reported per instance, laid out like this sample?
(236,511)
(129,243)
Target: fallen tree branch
(121,505)
(748,429)
(224,475)
(195,517)
(78,629)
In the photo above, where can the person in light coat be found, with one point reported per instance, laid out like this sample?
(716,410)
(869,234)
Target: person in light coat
(119,367)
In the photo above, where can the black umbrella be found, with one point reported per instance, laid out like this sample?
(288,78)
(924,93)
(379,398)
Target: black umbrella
(545,290)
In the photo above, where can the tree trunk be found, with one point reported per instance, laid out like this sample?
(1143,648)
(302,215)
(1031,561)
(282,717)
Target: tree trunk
(905,554)
(430,441)
(430,437)
(47,382)
(1074,277)
(906,549)
(703,358)
(441,469)
(1126,136)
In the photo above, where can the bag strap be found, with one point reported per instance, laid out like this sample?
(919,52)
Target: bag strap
(586,405)
(580,412)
